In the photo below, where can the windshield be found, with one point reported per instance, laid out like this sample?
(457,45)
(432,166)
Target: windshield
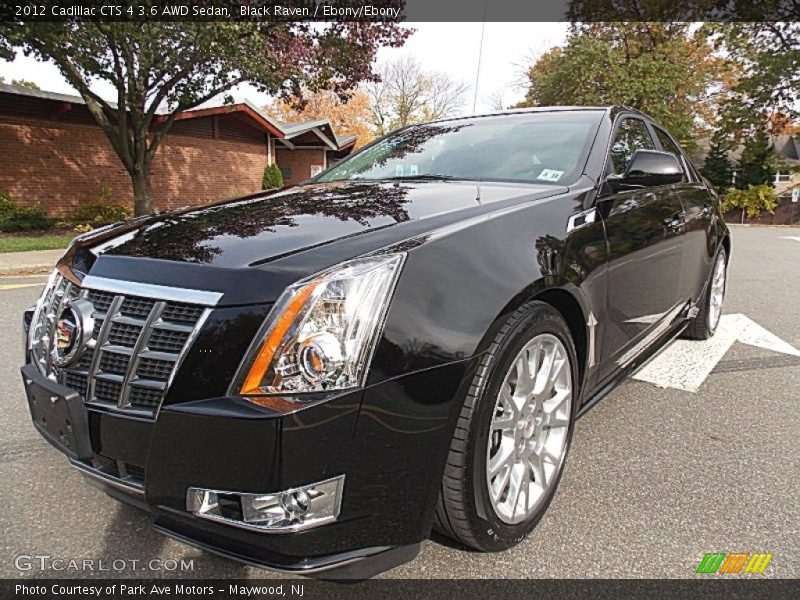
(547,147)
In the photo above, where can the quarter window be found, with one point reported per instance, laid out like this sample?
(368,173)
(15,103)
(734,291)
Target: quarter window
(632,135)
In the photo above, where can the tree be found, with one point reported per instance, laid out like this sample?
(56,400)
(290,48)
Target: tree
(496,100)
(767,55)
(25,84)
(663,69)
(753,201)
(718,168)
(406,94)
(21,83)
(351,116)
(758,162)
(272,177)
(162,69)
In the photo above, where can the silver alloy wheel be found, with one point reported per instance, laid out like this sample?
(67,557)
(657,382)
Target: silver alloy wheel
(528,435)
(717,293)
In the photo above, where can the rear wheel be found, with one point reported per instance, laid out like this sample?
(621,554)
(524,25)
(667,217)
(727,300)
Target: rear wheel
(705,323)
(513,434)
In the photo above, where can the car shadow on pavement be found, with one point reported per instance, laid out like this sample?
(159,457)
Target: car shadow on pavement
(130,539)
(447,542)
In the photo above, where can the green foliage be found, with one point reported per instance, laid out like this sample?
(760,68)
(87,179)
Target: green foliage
(97,211)
(272,177)
(758,161)
(663,69)
(718,168)
(25,84)
(14,217)
(753,201)
(767,57)
(26,243)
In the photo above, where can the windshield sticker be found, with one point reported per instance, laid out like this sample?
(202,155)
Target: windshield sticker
(550,175)
(399,171)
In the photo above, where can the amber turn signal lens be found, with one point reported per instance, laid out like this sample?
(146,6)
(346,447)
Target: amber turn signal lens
(252,383)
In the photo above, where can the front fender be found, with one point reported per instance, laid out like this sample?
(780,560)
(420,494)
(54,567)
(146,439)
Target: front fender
(456,288)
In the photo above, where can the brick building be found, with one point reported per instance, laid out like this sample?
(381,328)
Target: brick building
(54,154)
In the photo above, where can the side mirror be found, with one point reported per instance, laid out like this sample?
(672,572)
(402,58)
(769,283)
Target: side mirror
(649,168)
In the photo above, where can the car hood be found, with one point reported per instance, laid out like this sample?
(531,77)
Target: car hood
(291,233)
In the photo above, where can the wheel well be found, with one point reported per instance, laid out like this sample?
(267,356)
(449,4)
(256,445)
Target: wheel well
(726,243)
(566,304)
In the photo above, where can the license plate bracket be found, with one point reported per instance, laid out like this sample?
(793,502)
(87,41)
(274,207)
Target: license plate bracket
(58,413)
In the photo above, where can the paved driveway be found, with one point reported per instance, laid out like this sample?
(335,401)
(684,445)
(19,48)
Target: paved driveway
(655,479)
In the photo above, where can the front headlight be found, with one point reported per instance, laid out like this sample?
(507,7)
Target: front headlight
(321,334)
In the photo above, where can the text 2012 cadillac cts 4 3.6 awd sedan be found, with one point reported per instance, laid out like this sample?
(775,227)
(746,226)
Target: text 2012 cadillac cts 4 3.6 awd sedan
(312,379)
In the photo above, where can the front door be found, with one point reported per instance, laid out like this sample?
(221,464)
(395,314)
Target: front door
(698,207)
(644,229)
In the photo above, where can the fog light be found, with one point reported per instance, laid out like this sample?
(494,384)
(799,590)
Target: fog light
(287,511)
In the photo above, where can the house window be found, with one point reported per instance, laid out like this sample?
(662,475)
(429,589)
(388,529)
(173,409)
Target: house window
(286,173)
(783,177)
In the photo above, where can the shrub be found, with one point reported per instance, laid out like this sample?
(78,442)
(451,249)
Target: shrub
(98,211)
(14,217)
(272,177)
(753,201)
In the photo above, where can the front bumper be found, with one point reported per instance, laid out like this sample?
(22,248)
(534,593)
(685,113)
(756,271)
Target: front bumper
(390,440)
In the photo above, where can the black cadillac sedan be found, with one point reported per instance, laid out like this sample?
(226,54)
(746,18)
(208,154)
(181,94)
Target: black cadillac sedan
(312,379)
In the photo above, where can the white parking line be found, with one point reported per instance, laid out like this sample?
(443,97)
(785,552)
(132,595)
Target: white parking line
(791,237)
(15,286)
(685,364)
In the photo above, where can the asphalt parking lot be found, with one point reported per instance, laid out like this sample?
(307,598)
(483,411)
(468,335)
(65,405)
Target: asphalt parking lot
(655,478)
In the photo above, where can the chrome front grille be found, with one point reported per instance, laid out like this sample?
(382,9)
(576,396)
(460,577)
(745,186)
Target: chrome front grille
(141,333)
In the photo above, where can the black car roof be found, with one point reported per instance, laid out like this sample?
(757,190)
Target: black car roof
(612,109)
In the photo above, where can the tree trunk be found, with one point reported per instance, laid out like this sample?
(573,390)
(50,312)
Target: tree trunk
(142,193)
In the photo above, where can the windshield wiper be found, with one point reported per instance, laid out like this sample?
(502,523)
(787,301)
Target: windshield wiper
(426,176)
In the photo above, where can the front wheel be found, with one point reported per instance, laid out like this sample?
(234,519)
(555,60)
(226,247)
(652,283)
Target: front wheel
(513,434)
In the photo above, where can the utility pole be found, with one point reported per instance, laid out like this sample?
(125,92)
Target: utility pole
(480,56)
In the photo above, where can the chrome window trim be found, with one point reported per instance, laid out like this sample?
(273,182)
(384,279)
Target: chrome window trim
(589,216)
(151,290)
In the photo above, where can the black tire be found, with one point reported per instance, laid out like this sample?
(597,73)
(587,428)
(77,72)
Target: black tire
(700,328)
(464,511)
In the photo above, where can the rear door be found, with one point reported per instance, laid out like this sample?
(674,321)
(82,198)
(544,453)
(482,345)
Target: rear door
(698,207)
(644,228)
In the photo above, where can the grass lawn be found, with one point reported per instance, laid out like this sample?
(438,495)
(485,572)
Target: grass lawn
(23,243)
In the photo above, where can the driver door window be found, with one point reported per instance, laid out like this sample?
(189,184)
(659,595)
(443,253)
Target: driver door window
(632,135)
